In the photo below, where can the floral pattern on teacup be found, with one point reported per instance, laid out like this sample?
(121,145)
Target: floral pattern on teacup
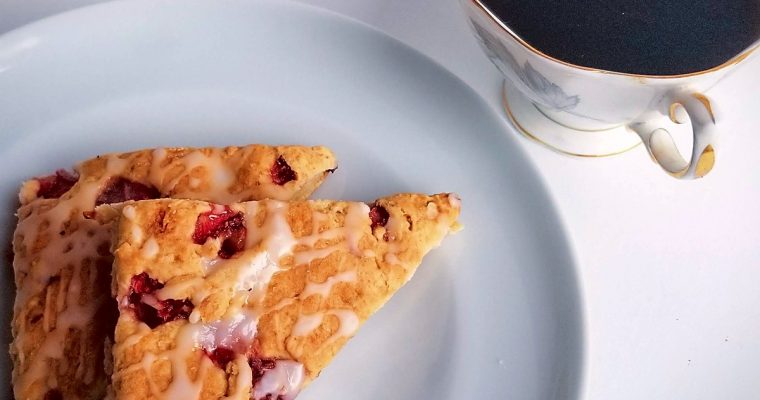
(549,92)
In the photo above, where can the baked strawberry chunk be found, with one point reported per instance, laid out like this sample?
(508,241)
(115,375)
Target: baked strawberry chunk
(221,356)
(222,222)
(56,185)
(259,366)
(281,172)
(378,215)
(119,189)
(149,309)
(275,379)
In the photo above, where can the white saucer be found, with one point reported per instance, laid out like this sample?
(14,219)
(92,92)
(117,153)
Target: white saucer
(494,313)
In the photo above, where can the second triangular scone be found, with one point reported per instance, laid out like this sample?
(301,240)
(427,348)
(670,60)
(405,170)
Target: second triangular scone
(253,300)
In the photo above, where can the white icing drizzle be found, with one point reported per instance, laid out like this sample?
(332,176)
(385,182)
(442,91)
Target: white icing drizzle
(129,213)
(395,226)
(48,262)
(115,165)
(391,258)
(195,316)
(306,324)
(316,236)
(137,234)
(275,235)
(28,191)
(35,271)
(134,338)
(253,270)
(157,173)
(431,211)
(254,276)
(282,304)
(285,380)
(307,256)
(349,323)
(221,173)
(242,387)
(235,332)
(356,223)
(323,289)
(455,201)
(181,386)
(179,290)
(150,248)
(357,219)
(221,176)
(58,252)
(391,255)
(444,226)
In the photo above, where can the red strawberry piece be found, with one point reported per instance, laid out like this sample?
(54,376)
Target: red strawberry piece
(222,222)
(378,215)
(221,356)
(147,314)
(143,283)
(119,189)
(259,366)
(281,172)
(54,186)
(173,309)
(148,308)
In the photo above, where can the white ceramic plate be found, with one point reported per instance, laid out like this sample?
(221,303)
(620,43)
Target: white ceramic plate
(492,314)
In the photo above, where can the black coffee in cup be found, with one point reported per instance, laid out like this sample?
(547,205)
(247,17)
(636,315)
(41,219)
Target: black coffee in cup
(651,37)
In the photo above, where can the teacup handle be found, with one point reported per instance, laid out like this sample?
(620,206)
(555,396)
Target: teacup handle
(662,148)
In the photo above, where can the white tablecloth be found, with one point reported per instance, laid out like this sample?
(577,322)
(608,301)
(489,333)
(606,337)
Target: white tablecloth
(669,270)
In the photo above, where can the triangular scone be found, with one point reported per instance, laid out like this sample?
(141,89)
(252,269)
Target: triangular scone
(62,261)
(253,300)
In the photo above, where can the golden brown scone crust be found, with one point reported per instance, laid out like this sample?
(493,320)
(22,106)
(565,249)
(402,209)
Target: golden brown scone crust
(338,271)
(62,262)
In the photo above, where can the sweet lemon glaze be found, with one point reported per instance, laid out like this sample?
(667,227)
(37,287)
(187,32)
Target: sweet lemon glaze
(220,176)
(286,378)
(323,289)
(254,269)
(55,235)
(45,261)
(306,324)
(215,186)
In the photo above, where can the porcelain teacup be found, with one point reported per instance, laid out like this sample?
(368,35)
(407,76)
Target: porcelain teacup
(589,112)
